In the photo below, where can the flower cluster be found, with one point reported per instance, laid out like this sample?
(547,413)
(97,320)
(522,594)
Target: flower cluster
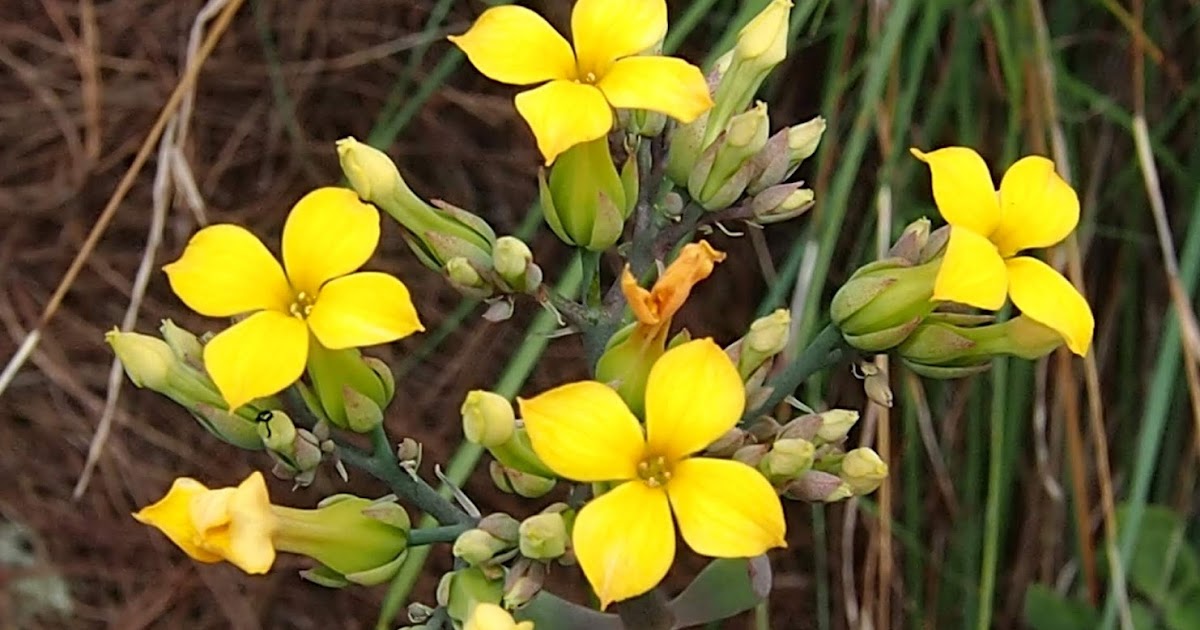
(671,434)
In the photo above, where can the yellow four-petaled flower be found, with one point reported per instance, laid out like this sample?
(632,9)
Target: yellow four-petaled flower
(226,271)
(514,45)
(625,539)
(988,228)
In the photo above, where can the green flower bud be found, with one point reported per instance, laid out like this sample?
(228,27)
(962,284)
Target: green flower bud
(768,336)
(912,241)
(584,199)
(781,203)
(764,429)
(229,427)
(787,459)
(349,391)
(464,277)
(476,547)
(728,444)
(751,454)
(343,536)
(544,536)
(803,140)
(803,427)
(726,167)
(185,345)
(521,483)
(513,260)
(435,234)
(277,431)
(147,360)
(488,418)
(386,378)
(502,526)
(409,451)
(816,486)
(939,348)
(863,471)
(883,303)
(524,580)
(761,45)
(835,424)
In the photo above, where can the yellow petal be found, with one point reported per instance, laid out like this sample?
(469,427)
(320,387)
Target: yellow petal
(1037,208)
(584,431)
(1048,298)
(225,270)
(661,84)
(251,526)
(172,516)
(363,309)
(962,188)
(328,233)
(625,541)
(257,357)
(972,272)
(693,396)
(694,263)
(563,114)
(606,30)
(512,44)
(725,509)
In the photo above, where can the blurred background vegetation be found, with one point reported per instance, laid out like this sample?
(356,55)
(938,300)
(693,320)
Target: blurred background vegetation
(1014,494)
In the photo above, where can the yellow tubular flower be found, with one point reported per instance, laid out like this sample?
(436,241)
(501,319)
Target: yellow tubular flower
(226,271)
(514,45)
(231,524)
(988,228)
(625,539)
(671,290)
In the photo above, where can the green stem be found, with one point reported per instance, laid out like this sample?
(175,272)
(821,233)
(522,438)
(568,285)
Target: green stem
(431,535)
(381,464)
(824,351)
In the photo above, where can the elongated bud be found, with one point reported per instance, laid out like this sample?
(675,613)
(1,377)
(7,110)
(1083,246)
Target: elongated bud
(513,260)
(863,470)
(464,277)
(356,540)
(835,424)
(228,426)
(912,241)
(147,360)
(488,418)
(277,431)
(726,168)
(184,344)
(502,526)
(816,486)
(768,336)
(803,140)
(804,427)
(764,429)
(544,536)
(523,484)
(751,454)
(787,459)
(781,203)
(476,547)
(761,45)
(583,200)
(435,234)
(728,444)
(883,303)
(524,580)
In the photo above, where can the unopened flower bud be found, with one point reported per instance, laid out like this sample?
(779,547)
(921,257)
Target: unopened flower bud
(147,360)
(408,450)
(876,385)
(521,483)
(230,427)
(544,536)
(949,345)
(725,169)
(817,486)
(371,173)
(476,547)
(584,200)
(787,459)
(764,429)
(803,140)
(767,337)
(912,241)
(419,613)
(863,470)
(804,427)
(761,45)
(502,526)
(277,431)
(835,424)
(523,581)
(183,343)
(488,418)
(883,303)
(781,203)
(352,545)
(513,260)
(492,617)
(465,590)
(465,277)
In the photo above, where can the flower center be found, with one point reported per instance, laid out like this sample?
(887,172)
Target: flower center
(302,306)
(655,471)
(589,78)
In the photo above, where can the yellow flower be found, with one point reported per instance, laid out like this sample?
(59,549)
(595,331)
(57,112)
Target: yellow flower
(625,539)
(226,271)
(487,616)
(657,306)
(514,45)
(231,524)
(988,228)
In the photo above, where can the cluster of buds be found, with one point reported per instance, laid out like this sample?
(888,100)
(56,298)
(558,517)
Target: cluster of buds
(296,451)
(805,458)
(490,421)
(174,367)
(444,237)
(755,353)
(729,152)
